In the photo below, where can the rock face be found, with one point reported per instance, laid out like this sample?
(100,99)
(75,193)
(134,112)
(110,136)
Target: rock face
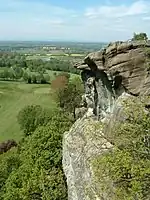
(120,70)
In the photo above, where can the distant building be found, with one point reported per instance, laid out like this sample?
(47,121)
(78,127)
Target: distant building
(49,48)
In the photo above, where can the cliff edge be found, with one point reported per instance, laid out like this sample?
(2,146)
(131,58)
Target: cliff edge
(117,72)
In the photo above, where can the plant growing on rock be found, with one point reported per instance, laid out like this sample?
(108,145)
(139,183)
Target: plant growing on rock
(126,166)
(140,36)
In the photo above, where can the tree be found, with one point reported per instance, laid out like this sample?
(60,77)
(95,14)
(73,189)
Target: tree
(34,79)
(29,79)
(30,117)
(59,82)
(69,96)
(42,79)
(54,74)
(12,74)
(67,75)
(18,72)
(140,36)
(25,76)
(47,78)
(6,73)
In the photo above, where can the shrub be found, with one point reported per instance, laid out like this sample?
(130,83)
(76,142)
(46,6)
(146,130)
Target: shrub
(127,165)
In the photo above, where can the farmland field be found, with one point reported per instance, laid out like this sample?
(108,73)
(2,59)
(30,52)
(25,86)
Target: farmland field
(54,55)
(13,97)
(53,74)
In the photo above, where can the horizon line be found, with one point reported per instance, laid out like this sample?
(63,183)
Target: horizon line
(72,41)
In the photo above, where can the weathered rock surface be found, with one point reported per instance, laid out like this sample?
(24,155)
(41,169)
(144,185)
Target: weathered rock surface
(109,76)
(81,145)
(127,60)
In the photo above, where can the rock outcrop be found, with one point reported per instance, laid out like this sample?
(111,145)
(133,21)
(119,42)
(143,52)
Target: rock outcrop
(117,72)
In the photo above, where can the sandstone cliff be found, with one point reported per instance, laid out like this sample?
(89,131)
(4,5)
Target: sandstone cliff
(120,70)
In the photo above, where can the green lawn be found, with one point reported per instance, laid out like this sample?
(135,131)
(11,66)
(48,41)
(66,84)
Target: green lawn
(13,97)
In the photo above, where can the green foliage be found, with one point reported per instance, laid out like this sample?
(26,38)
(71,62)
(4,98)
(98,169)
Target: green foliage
(25,76)
(40,175)
(140,36)
(18,72)
(60,65)
(65,74)
(19,63)
(69,97)
(9,162)
(47,78)
(34,80)
(32,116)
(127,165)
(42,78)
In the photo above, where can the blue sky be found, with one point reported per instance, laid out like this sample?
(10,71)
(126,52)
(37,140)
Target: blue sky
(73,20)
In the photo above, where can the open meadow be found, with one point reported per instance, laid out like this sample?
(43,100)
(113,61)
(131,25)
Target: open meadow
(13,97)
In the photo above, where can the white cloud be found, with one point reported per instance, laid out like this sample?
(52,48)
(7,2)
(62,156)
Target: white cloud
(29,20)
(118,22)
(109,11)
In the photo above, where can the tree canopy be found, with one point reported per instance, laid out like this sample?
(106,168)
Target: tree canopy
(68,94)
(35,171)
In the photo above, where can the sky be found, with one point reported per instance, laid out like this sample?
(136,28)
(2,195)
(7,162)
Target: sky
(73,20)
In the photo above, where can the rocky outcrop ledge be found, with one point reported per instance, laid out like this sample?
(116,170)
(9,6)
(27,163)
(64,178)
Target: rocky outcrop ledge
(110,75)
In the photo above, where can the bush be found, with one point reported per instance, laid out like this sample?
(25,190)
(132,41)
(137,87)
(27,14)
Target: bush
(127,165)
(139,36)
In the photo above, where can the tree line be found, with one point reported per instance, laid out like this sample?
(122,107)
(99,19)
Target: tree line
(14,74)
(14,60)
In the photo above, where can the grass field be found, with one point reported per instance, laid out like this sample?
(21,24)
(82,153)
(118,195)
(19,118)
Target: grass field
(53,74)
(55,55)
(13,97)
